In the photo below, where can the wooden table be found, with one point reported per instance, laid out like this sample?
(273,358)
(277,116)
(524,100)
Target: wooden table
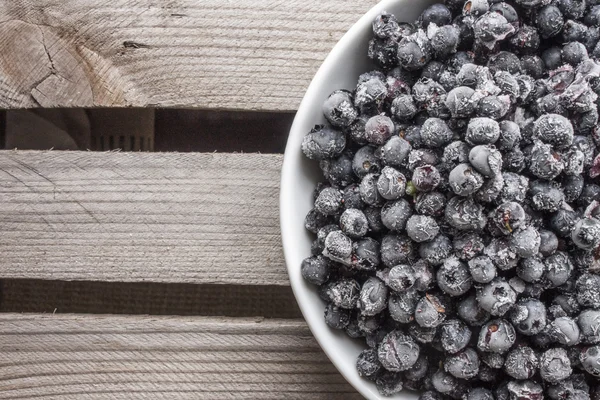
(97,247)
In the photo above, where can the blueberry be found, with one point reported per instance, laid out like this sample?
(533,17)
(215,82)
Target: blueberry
(490,190)
(589,326)
(403,107)
(568,303)
(445,40)
(395,214)
(365,161)
(525,390)
(336,317)
(544,162)
(383,52)
(469,311)
(379,129)
(475,7)
(438,14)
(590,360)
(373,215)
(424,90)
(506,10)
(435,133)
(338,247)
(526,241)
(426,178)
(521,363)
(389,383)
(492,28)
(586,234)
(529,316)
(351,197)
(552,58)
(329,201)
(366,255)
(453,277)
(421,158)
(546,196)
(419,369)
(354,223)
(448,385)
(323,142)
(402,306)
(454,335)
(338,171)
(386,26)
(468,245)
(371,92)
(549,21)
(373,297)
(343,293)
(486,160)
(482,269)
(574,53)
(555,365)
(564,330)
(463,365)
(339,109)
(496,336)
(315,269)
(504,61)
(533,65)
(401,278)
(526,40)
(480,393)
(421,228)
(430,311)
(391,183)
(574,162)
(464,180)
(368,364)
(508,216)
(492,360)
(482,131)
(530,269)
(414,51)
(315,220)
(574,31)
(455,153)
(508,85)
(464,214)
(558,268)
(592,18)
(368,190)
(502,253)
(554,129)
(430,203)
(394,152)
(397,352)
(496,297)
(587,291)
(468,76)
(572,8)
(396,249)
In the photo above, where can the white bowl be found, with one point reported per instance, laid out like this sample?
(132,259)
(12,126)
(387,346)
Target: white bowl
(340,70)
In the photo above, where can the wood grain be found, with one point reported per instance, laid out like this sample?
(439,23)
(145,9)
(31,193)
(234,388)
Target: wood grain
(247,54)
(131,217)
(113,357)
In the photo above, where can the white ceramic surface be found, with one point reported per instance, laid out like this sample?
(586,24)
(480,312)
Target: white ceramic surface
(340,70)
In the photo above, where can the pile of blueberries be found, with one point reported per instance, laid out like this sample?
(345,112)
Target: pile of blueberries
(458,225)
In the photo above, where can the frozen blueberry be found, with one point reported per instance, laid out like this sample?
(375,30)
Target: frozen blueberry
(460,102)
(490,190)
(492,28)
(383,52)
(453,277)
(395,214)
(544,162)
(574,53)
(430,203)
(394,152)
(525,390)
(482,269)
(533,65)
(549,21)
(370,93)
(508,216)
(530,269)
(469,311)
(529,316)
(564,330)
(436,250)
(426,178)
(482,131)
(354,223)
(365,161)
(391,183)
(336,317)
(526,40)
(475,7)
(401,278)
(401,306)
(379,129)
(454,335)
(403,107)
(468,245)
(366,255)
(494,107)
(502,253)
(323,142)
(421,228)
(492,360)
(546,196)
(448,385)
(418,370)
(338,247)
(486,160)
(480,393)
(368,190)
(396,249)
(589,326)
(572,8)
(553,129)
(587,290)
(572,187)
(586,233)
(552,57)
(555,365)
(464,214)
(438,14)
(496,297)
(373,215)
(504,61)
(420,158)
(315,269)
(463,365)
(435,133)
(339,109)
(414,51)
(386,26)
(444,40)
(367,364)
(373,297)
(430,311)
(398,352)
(496,336)
(558,268)
(389,383)
(343,293)
(510,135)
(521,363)
(590,360)
(526,241)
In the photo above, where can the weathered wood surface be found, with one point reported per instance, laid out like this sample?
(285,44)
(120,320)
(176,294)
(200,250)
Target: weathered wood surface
(112,357)
(246,54)
(127,217)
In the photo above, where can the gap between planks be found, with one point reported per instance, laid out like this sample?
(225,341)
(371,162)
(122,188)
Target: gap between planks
(141,217)
(124,357)
(242,55)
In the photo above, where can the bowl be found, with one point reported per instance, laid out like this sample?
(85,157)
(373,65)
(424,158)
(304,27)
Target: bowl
(299,176)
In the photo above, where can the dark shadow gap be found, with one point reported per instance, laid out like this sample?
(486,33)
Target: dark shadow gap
(39,296)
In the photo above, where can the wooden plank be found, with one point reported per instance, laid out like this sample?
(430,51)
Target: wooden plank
(247,54)
(117,357)
(157,217)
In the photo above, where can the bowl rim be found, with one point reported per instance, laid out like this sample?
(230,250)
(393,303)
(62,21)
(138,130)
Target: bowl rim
(288,175)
